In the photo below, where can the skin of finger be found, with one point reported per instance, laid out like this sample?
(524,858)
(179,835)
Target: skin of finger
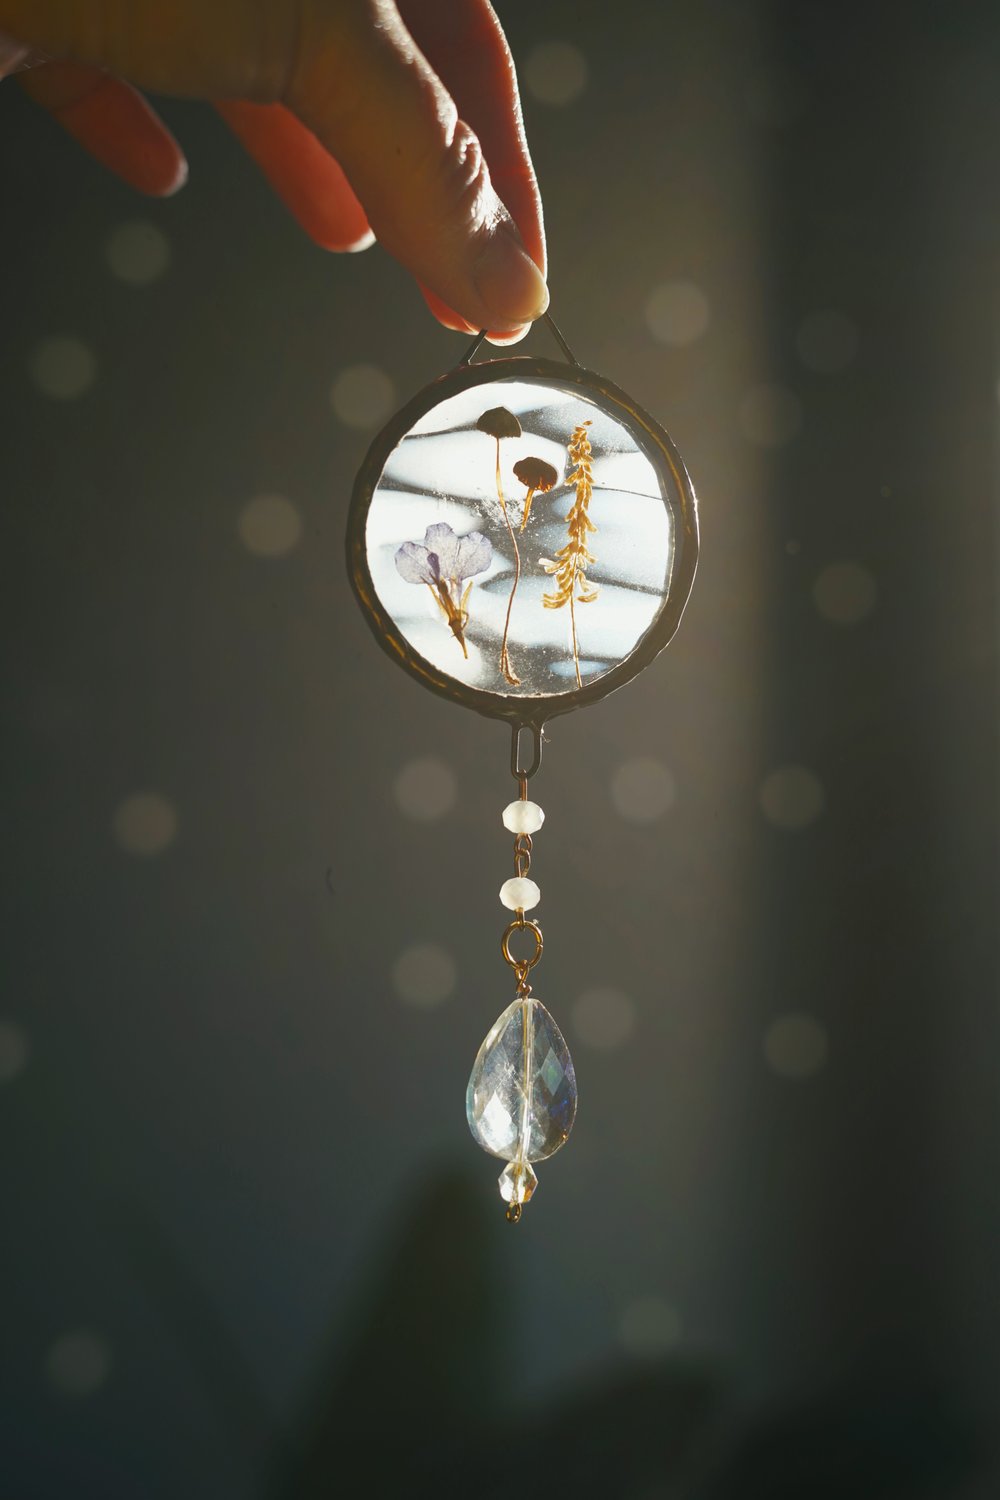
(266,49)
(464,42)
(202,48)
(450,319)
(465,45)
(13,55)
(379,107)
(302,173)
(112,122)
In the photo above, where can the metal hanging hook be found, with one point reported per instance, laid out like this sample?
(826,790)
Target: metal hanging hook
(522,774)
(546,318)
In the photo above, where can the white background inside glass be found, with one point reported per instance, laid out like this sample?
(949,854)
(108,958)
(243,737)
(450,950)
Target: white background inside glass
(444,470)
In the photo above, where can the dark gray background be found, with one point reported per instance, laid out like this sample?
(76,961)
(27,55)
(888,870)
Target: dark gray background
(249,1246)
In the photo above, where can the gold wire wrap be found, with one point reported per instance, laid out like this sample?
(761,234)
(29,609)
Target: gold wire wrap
(522,966)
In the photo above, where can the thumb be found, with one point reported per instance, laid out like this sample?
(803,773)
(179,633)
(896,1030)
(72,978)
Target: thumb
(369,94)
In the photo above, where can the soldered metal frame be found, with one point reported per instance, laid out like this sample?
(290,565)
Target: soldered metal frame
(527,712)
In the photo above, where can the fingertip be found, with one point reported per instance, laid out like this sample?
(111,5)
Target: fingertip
(365,242)
(514,337)
(307,179)
(180,177)
(113,122)
(509,285)
(446,316)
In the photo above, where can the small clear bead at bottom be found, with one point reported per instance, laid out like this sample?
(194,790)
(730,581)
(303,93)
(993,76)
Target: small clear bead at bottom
(520,894)
(517,1182)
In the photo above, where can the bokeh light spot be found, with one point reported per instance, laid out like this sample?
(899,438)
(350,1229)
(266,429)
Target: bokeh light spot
(137,253)
(649,1327)
(677,313)
(770,415)
(603,1018)
(425,789)
(555,73)
(424,975)
(362,395)
(145,824)
(14,1050)
(796,1045)
(845,593)
(63,368)
(826,341)
(791,797)
(642,789)
(78,1363)
(269,525)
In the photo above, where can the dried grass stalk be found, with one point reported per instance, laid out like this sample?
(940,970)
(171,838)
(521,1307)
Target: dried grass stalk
(569,568)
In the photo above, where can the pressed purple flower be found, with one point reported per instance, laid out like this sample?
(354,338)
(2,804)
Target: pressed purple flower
(473,555)
(413,562)
(444,561)
(443,555)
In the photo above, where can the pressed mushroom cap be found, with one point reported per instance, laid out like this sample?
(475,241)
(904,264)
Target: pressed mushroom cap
(499,423)
(535,474)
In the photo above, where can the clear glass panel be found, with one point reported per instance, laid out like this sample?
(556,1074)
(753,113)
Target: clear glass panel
(520,539)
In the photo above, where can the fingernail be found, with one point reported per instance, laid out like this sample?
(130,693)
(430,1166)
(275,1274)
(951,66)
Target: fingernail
(176,182)
(511,286)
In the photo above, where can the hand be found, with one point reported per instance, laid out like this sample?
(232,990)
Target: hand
(370,119)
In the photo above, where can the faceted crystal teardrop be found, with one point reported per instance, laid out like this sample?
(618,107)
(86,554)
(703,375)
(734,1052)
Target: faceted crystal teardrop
(521,1100)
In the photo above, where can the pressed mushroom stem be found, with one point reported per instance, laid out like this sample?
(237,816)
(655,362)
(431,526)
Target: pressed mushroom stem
(505,665)
(527,507)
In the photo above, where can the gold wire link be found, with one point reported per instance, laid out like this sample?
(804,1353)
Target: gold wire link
(522,966)
(522,864)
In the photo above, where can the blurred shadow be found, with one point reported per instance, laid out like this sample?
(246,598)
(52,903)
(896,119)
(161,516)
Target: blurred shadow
(859,1443)
(419,1399)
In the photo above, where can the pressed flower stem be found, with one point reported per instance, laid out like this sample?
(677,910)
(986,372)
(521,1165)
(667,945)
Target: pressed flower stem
(527,507)
(442,597)
(505,665)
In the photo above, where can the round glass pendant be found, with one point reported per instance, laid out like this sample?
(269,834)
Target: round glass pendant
(523,537)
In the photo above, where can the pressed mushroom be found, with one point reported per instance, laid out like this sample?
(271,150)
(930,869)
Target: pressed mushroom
(538,478)
(443,561)
(499,423)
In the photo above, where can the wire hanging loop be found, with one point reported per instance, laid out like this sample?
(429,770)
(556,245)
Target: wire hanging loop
(522,773)
(546,318)
(522,966)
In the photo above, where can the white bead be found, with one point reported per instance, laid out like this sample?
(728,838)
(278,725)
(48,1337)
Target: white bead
(520,894)
(523,817)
